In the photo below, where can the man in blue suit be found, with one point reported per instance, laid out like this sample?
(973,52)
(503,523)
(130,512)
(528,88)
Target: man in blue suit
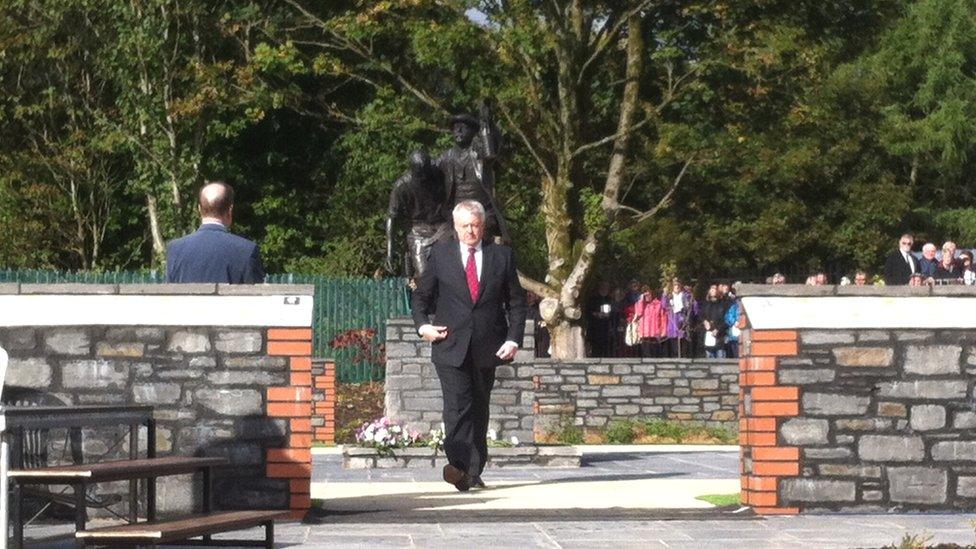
(213,254)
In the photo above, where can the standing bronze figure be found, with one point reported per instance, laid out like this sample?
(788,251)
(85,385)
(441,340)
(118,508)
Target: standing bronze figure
(418,198)
(469,167)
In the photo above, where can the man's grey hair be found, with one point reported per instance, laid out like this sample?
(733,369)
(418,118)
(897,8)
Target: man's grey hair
(928,247)
(470,206)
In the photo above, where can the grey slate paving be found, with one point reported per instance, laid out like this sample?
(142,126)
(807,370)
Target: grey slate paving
(705,465)
(808,532)
(472,531)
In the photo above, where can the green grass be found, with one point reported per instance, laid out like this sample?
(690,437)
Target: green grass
(720,500)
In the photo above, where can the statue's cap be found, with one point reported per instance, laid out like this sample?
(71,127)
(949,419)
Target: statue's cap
(465,119)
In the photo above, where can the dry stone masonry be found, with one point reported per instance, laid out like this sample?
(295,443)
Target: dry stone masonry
(875,413)
(533,397)
(243,392)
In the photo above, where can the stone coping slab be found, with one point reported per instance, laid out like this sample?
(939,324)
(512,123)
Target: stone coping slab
(802,290)
(357,457)
(156,289)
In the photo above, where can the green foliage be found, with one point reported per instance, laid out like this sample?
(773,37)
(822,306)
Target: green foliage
(914,541)
(817,131)
(720,500)
(620,432)
(567,432)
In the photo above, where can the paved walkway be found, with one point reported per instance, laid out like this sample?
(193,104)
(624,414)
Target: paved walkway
(622,497)
(625,478)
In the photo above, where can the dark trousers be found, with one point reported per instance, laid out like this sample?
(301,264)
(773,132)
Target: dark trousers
(467,392)
(652,348)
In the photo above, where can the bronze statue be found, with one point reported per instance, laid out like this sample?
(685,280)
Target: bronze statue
(468,167)
(418,197)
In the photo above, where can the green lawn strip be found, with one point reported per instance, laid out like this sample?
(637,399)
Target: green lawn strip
(720,500)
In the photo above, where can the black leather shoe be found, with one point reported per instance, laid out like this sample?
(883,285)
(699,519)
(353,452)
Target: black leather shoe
(476,482)
(460,479)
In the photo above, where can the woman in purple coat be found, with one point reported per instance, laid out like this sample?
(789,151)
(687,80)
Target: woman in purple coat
(679,305)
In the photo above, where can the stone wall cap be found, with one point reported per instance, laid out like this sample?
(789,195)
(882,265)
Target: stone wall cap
(785,290)
(9,288)
(885,291)
(954,289)
(69,288)
(399,321)
(265,289)
(802,290)
(167,289)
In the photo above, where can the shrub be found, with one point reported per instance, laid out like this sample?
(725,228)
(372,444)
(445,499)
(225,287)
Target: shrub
(568,433)
(620,432)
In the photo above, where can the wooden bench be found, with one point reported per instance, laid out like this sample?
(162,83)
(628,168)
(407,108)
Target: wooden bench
(21,421)
(181,530)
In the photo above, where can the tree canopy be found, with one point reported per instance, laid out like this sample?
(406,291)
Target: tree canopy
(741,138)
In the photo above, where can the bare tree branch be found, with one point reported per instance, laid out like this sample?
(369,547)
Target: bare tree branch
(538,288)
(525,140)
(608,37)
(628,110)
(365,53)
(666,199)
(611,138)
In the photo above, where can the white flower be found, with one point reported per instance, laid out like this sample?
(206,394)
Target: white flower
(381,435)
(515,441)
(492,434)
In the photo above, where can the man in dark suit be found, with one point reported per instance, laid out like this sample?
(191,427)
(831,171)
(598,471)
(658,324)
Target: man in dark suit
(901,264)
(470,306)
(213,254)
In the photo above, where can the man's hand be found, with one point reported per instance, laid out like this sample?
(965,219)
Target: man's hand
(432,333)
(507,350)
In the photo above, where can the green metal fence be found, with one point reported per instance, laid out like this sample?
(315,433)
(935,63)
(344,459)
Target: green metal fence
(349,319)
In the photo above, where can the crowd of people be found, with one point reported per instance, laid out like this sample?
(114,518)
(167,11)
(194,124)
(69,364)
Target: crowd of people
(932,266)
(641,321)
(636,320)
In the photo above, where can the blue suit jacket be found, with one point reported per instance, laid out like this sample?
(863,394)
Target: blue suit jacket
(213,254)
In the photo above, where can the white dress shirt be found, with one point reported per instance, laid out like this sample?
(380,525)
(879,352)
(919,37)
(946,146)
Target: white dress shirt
(911,264)
(478,255)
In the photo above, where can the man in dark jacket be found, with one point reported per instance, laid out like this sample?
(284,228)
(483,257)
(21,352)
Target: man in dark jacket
(901,264)
(470,306)
(212,253)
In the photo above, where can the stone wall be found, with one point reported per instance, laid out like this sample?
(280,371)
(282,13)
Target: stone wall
(533,396)
(874,414)
(239,392)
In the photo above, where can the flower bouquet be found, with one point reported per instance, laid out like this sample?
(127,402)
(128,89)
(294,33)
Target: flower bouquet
(385,435)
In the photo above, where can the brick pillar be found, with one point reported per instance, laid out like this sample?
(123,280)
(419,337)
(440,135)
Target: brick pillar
(294,403)
(324,400)
(763,406)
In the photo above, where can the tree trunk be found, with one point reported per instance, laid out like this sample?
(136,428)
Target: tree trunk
(570,274)
(567,340)
(159,245)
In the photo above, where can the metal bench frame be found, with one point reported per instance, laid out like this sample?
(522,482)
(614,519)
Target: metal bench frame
(21,420)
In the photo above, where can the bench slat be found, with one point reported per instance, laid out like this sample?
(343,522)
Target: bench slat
(178,529)
(115,470)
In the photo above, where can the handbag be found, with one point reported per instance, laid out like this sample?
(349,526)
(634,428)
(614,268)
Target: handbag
(631,335)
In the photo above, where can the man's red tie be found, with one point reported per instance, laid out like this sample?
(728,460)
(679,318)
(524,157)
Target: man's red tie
(471,270)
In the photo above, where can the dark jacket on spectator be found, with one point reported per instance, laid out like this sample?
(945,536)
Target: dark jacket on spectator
(714,313)
(896,269)
(927,266)
(952,273)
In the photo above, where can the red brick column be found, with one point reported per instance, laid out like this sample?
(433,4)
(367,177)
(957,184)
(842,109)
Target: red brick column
(294,403)
(763,406)
(324,398)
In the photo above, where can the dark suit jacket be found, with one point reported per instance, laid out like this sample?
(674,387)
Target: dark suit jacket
(896,270)
(213,254)
(483,326)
